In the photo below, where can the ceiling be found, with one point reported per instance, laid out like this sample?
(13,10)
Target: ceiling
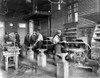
(93,17)
(13,8)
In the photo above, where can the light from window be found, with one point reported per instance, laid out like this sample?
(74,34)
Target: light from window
(76,17)
(1,24)
(22,25)
(72,12)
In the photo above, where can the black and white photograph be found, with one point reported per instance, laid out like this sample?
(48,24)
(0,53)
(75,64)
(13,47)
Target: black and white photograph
(49,38)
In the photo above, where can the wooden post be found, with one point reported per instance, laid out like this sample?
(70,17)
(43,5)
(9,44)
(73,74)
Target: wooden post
(6,63)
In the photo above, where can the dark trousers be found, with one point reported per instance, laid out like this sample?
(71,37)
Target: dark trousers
(57,50)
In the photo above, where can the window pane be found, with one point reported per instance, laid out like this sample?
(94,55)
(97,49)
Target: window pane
(22,25)
(75,9)
(72,16)
(69,18)
(69,1)
(69,7)
(76,17)
(76,5)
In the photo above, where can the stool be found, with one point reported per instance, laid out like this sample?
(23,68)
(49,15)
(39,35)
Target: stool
(30,54)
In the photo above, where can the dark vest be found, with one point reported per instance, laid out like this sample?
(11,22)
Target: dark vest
(27,40)
(33,39)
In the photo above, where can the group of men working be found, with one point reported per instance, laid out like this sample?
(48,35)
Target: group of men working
(12,37)
(36,41)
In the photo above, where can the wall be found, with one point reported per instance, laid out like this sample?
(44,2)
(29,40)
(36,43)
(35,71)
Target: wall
(85,28)
(7,27)
(58,19)
(88,7)
(44,27)
(15,22)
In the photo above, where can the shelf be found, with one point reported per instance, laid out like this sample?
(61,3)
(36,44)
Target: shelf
(95,43)
(97,38)
(97,32)
(95,47)
(72,32)
(70,36)
(72,28)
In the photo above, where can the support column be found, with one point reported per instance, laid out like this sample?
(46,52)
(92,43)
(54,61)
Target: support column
(31,27)
(49,26)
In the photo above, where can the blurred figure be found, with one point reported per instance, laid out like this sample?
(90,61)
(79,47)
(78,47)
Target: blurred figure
(33,39)
(36,42)
(12,38)
(39,39)
(6,37)
(17,37)
(26,44)
(27,40)
(56,41)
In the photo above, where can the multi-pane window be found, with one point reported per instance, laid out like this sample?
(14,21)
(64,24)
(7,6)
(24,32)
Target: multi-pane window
(76,12)
(72,11)
(69,14)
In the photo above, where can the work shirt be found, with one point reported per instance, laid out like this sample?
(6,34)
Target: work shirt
(27,40)
(56,39)
(40,37)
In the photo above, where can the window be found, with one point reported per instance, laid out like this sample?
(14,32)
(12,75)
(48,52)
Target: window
(75,12)
(22,25)
(75,7)
(72,11)
(1,24)
(76,16)
(69,14)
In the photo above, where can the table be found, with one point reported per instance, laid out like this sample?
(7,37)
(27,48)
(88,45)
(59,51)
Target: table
(15,53)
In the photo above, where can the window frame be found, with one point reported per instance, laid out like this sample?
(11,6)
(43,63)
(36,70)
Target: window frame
(72,14)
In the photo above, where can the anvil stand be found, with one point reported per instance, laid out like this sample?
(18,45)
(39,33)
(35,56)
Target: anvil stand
(62,66)
(30,57)
(41,58)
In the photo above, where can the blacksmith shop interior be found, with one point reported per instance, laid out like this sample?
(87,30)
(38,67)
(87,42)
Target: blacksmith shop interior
(49,38)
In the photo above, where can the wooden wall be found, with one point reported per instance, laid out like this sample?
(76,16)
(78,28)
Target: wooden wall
(88,7)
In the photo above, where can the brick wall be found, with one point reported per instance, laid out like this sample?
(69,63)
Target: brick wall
(88,7)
